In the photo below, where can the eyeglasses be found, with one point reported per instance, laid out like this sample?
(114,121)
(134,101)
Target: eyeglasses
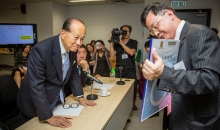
(72,105)
(154,28)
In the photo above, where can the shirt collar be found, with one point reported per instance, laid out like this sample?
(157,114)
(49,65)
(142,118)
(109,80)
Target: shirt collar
(179,29)
(61,46)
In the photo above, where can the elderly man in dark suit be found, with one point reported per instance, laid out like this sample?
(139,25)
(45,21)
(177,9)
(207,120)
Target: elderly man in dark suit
(51,64)
(195,91)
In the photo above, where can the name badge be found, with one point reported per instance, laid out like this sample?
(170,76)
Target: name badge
(124,56)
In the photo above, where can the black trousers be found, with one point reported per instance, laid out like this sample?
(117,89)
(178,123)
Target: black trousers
(166,120)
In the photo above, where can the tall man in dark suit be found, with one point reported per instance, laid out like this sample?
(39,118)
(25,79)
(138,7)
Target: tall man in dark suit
(196,90)
(42,87)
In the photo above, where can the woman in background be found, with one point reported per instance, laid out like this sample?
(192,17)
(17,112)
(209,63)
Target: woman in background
(90,52)
(93,43)
(20,62)
(102,66)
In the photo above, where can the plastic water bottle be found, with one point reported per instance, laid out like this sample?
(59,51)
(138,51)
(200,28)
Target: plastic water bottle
(112,75)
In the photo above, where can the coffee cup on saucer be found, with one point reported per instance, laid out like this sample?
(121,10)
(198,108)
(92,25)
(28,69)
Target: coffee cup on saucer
(103,92)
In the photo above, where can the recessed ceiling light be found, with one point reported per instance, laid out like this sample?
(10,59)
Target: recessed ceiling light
(85,0)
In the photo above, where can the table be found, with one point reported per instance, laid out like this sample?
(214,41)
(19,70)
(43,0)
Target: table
(111,112)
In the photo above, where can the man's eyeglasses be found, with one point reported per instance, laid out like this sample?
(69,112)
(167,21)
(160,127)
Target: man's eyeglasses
(72,105)
(154,27)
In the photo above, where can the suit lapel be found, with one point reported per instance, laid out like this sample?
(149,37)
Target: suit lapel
(57,58)
(184,32)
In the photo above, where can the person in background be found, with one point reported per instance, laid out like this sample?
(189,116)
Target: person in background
(51,64)
(137,64)
(83,66)
(142,79)
(90,52)
(20,61)
(195,90)
(125,57)
(147,46)
(102,66)
(93,43)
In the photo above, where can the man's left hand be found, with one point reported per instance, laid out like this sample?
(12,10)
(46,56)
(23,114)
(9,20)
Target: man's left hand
(152,70)
(86,103)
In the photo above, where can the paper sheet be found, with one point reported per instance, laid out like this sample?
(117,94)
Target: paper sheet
(98,86)
(60,111)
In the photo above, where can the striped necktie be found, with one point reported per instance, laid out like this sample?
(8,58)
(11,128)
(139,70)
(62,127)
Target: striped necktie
(65,68)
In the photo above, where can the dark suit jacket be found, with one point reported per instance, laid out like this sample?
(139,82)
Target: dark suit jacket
(195,92)
(41,86)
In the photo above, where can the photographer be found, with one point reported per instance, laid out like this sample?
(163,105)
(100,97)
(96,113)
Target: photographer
(124,51)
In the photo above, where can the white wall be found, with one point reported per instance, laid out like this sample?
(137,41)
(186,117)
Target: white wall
(42,15)
(12,16)
(59,16)
(101,19)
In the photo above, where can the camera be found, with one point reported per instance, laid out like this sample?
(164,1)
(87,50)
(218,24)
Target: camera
(97,45)
(115,35)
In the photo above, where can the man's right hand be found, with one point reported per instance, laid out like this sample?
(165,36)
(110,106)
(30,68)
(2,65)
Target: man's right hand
(57,121)
(84,65)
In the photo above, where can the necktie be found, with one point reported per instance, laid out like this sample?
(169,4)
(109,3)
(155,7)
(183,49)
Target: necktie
(65,64)
(79,70)
(65,68)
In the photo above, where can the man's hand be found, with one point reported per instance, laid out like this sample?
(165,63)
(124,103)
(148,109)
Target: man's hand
(84,65)
(120,41)
(86,103)
(152,70)
(57,121)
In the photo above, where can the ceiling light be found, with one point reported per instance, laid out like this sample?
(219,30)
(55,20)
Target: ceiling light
(85,0)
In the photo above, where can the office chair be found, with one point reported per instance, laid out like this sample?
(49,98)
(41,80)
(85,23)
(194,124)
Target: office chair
(9,112)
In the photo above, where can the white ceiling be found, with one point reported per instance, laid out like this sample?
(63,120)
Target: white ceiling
(15,4)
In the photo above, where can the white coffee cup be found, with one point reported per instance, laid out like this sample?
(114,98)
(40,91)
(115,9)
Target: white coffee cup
(103,91)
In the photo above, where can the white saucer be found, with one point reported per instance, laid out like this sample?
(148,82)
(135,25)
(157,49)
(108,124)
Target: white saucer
(108,93)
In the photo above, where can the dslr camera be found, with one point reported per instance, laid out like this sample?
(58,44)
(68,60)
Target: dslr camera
(115,35)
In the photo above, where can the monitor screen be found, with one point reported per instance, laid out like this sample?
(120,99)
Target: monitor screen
(11,34)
